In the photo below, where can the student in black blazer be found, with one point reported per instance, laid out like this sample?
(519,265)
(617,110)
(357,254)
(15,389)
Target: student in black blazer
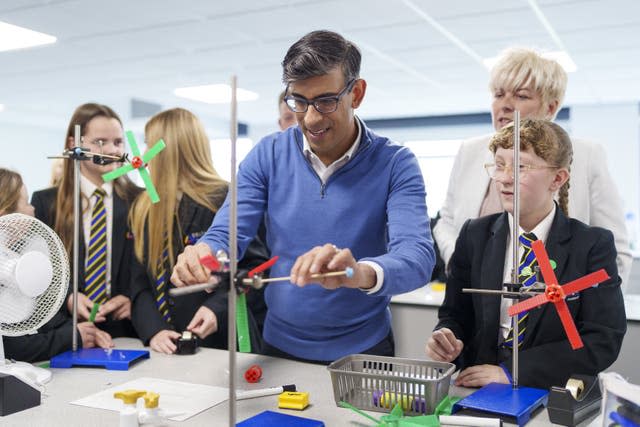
(190,194)
(55,336)
(101,131)
(473,328)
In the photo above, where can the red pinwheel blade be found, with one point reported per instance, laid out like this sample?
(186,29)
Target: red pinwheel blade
(262,267)
(527,304)
(585,281)
(210,262)
(569,325)
(543,261)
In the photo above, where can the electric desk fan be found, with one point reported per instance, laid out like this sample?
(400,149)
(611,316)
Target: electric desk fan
(34,276)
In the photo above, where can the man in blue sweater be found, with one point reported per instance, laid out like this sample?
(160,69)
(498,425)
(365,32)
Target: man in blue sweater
(333,195)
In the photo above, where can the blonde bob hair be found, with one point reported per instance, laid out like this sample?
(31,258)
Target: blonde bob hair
(522,67)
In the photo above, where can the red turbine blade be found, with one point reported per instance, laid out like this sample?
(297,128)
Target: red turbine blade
(543,261)
(210,262)
(569,325)
(585,281)
(262,267)
(527,304)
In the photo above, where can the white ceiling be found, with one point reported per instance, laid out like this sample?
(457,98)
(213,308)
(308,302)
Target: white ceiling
(115,50)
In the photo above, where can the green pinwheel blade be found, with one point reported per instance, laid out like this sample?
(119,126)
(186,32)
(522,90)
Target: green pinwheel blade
(116,173)
(132,143)
(242,324)
(151,190)
(151,152)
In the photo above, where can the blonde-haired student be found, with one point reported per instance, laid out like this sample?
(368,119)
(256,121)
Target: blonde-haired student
(191,192)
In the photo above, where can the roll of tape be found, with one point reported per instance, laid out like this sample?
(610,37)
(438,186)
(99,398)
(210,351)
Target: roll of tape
(575,387)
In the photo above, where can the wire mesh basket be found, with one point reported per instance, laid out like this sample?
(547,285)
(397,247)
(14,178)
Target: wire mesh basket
(377,383)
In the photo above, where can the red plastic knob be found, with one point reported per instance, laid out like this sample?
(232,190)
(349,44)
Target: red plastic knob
(253,374)
(136,162)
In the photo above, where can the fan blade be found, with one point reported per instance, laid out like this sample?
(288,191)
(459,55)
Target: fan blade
(569,325)
(151,152)
(543,261)
(527,305)
(262,267)
(132,143)
(117,173)
(151,190)
(585,281)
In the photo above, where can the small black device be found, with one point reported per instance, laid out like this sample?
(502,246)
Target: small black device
(187,343)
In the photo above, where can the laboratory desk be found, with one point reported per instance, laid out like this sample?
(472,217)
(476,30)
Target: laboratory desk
(208,367)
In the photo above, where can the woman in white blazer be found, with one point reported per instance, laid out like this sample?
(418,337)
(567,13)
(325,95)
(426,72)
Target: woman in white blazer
(522,79)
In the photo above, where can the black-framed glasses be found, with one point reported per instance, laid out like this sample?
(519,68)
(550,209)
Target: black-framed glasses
(494,170)
(322,104)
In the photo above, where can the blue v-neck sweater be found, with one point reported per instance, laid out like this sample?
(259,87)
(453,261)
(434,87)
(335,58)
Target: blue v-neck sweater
(374,205)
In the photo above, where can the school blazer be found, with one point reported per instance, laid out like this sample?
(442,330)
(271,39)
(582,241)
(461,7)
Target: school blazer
(44,202)
(193,220)
(546,357)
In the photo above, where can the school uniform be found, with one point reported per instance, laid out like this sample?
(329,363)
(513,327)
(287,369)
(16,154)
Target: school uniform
(120,251)
(546,357)
(192,220)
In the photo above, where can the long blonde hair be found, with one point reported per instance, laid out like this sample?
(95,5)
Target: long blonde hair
(123,186)
(184,166)
(11,184)
(548,140)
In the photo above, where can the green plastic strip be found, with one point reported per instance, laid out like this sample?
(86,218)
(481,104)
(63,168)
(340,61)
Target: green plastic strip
(132,143)
(148,183)
(117,173)
(94,311)
(242,323)
(151,152)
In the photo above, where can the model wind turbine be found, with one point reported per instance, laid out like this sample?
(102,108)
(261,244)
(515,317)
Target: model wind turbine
(138,162)
(110,359)
(509,400)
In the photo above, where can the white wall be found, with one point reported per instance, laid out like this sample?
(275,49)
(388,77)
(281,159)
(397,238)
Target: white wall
(616,127)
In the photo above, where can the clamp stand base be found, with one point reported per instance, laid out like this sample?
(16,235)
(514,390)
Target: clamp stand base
(111,359)
(504,401)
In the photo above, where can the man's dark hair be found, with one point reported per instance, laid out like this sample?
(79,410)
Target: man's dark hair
(317,54)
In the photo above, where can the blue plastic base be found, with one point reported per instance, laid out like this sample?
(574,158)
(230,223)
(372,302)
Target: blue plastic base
(270,418)
(505,401)
(111,359)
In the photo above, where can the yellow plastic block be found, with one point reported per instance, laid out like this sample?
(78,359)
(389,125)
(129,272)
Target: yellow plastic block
(389,400)
(293,400)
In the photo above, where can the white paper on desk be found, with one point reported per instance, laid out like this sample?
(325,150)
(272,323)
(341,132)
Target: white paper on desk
(176,397)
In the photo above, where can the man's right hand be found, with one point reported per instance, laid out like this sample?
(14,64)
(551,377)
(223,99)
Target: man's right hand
(188,270)
(443,346)
(84,308)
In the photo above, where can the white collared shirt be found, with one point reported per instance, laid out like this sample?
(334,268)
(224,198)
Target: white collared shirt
(542,232)
(324,172)
(87,188)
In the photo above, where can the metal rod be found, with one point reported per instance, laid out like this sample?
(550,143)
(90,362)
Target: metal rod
(249,281)
(519,295)
(233,254)
(76,238)
(176,292)
(515,234)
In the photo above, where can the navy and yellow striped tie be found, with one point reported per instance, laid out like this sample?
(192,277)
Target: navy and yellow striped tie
(96,268)
(526,277)
(161,284)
